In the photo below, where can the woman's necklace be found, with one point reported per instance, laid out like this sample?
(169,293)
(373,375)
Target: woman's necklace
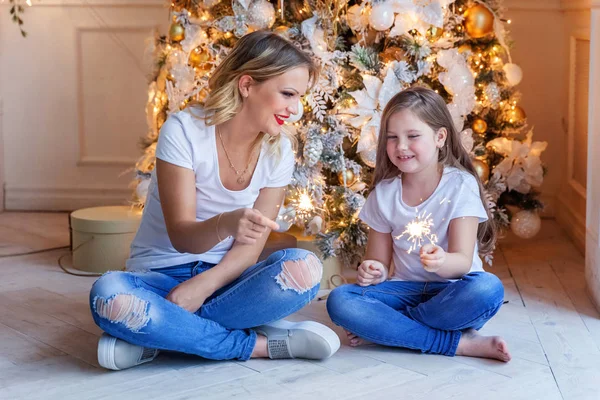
(239,174)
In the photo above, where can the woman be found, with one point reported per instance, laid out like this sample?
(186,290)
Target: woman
(193,284)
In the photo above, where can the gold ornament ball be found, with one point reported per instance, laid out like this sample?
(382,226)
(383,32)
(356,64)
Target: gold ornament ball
(517,115)
(176,32)
(482,169)
(350,177)
(479,126)
(479,21)
(198,57)
(434,33)
(392,53)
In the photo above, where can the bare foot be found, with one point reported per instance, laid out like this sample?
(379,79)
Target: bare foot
(355,340)
(472,344)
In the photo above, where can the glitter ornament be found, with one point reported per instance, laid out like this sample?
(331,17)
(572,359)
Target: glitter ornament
(261,14)
(525,224)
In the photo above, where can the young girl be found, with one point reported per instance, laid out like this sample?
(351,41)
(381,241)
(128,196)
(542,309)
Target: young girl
(428,220)
(193,283)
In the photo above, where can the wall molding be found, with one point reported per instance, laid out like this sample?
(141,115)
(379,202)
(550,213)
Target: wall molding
(83,158)
(63,198)
(572,223)
(573,184)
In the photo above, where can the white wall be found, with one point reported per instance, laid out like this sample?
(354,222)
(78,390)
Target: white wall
(1,159)
(551,44)
(74,97)
(539,49)
(592,258)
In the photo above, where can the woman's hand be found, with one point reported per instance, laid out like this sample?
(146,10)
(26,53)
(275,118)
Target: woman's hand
(246,225)
(371,272)
(192,293)
(433,257)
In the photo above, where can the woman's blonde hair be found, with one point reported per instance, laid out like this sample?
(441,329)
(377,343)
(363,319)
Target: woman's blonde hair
(431,108)
(262,55)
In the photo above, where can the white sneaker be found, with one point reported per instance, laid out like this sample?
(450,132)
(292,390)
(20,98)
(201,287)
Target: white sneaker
(117,354)
(306,339)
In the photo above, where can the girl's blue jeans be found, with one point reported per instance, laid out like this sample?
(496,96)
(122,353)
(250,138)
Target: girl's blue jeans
(427,316)
(220,329)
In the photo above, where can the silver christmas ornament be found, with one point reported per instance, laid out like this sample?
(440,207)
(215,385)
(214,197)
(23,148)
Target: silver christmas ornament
(261,14)
(369,157)
(526,224)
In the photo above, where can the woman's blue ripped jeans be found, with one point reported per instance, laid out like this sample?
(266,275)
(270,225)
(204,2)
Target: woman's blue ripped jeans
(132,306)
(426,316)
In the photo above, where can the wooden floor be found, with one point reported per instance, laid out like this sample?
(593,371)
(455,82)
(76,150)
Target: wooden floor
(48,339)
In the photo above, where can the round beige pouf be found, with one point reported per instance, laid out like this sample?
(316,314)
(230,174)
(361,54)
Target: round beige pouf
(101,236)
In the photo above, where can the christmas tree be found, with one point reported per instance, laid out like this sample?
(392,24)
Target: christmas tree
(368,51)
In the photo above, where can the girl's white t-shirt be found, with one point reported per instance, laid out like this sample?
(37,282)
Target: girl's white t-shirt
(457,195)
(186,141)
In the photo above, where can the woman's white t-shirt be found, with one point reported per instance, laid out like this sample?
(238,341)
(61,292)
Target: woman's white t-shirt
(186,141)
(457,195)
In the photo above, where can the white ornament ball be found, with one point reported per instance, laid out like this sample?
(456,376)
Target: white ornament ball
(141,189)
(382,17)
(526,224)
(369,157)
(513,73)
(261,14)
(296,117)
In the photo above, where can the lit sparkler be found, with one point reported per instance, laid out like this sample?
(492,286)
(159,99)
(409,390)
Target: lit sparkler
(418,230)
(302,204)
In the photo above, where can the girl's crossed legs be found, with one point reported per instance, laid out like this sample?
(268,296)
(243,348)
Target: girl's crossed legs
(434,317)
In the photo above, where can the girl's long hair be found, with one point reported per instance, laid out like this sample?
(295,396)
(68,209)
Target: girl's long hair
(431,108)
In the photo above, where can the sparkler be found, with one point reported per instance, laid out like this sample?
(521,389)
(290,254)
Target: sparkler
(418,230)
(301,203)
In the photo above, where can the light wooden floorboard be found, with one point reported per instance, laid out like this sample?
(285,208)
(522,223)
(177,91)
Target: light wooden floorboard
(48,338)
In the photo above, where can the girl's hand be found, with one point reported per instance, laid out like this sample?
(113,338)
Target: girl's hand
(246,225)
(191,294)
(371,272)
(433,257)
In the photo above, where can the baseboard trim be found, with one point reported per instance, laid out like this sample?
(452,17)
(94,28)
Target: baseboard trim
(573,224)
(63,198)
(592,269)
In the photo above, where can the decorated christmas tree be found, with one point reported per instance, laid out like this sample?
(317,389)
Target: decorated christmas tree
(368,51)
